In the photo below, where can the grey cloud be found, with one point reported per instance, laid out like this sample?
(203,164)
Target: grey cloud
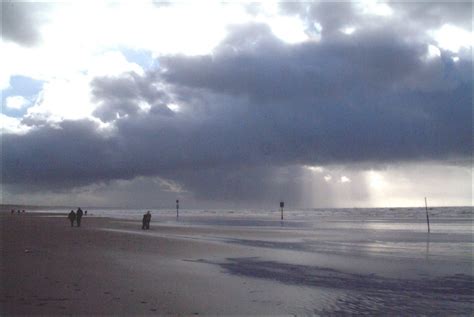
(365,97)
(408,17)
(292,7)
(257,109)
(434,14)
(267,69)
(333,16)
(62,155)
(21,21)
(119,96)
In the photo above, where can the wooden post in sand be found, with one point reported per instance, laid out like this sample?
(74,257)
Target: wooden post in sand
(427,217)
(282,204)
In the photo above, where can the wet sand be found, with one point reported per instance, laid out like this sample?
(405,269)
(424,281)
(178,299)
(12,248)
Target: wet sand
(47,268)
(111,266)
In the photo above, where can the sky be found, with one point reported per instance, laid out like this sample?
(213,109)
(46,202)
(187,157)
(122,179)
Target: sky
(321,104)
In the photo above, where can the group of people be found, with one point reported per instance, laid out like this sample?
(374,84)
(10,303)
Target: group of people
(146,220)
(76,216)
(18,211)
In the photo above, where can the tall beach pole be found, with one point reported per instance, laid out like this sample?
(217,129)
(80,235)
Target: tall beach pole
(177,208)
(427,216)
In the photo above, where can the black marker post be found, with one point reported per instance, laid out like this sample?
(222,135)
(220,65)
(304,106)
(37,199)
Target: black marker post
(177,208)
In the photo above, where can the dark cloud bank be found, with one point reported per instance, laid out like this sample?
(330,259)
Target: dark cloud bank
(255,110)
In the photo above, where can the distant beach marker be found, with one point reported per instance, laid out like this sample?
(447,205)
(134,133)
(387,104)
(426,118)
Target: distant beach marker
(177,208)
(282,204)
(427,216)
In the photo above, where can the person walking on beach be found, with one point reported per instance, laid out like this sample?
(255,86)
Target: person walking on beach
(79,216)
(72,216)
(146,220)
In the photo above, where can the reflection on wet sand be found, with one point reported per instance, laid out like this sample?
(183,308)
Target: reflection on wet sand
(448,294)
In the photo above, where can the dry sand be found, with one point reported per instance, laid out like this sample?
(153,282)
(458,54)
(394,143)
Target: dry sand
(48,268)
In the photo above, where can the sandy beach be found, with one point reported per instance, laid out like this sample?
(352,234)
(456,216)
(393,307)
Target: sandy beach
(51,268)
(111,266)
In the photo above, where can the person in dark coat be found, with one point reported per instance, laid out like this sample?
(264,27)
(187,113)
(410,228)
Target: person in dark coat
(79,216)
(148,219)
(71,216)
(144,221)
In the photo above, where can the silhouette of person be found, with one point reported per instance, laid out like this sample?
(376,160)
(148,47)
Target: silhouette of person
(79,216)
(85,213)
(148,219)
(13,211)
(144,219)
(72,216)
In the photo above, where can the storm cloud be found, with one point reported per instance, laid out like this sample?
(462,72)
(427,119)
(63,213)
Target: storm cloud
(228,125)
(407,16)
(369,97)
